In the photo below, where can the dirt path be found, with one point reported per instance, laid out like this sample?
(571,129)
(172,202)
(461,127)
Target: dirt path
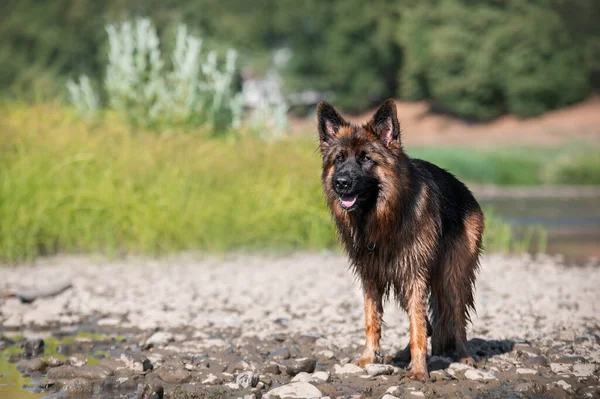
(247,326)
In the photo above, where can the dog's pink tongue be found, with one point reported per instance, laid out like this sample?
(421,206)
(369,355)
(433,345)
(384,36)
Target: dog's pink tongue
(348,203)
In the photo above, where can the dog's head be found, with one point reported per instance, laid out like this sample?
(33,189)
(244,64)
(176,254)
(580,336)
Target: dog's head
(359,161)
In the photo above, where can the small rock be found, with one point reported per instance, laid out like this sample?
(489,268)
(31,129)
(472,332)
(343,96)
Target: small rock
(33,347)
(417,393)
(536,361)
(232,385)
(325,354)
(584,370)
(61,372)
(301,365)
(279,354)
(239,366)
(77,360)
(524,387)
(211,379)
(136,362)
(247,379)
(347,369)
(302,377)
(158,339)
(560,368)
(569,359)
(33,365)
(112,383)
(527,349)
(478,375)
(323,376)
(78,386)
(564,385)
(54,362)
(392,390)
(388,396)
(270,368)
(294,390)
(439,362)
(379,369)
(526,371)
(92,372)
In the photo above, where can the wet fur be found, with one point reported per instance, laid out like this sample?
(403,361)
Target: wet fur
(417,237)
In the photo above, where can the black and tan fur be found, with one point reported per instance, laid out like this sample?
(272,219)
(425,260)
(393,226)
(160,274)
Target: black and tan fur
(410,228)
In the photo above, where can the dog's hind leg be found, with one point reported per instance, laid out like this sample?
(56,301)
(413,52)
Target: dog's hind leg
(452,291)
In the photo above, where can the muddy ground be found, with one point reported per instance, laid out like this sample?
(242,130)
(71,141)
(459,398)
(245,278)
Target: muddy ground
(289,326)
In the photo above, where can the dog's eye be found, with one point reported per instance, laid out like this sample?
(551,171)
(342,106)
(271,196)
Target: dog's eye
(339,157)
(365,158)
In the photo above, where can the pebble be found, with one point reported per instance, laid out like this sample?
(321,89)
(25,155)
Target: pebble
(78,386)
(159,339)
(296,366)
(584,370)
(294,390)
(33,365)
(379,369)
(347,369)
(77,360)
(478,375)
(247,379)
(526,371)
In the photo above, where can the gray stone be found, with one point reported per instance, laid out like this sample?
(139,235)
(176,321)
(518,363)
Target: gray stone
(379,369)
(54,362)
(112,383)
(158,339)
(524,387)
(270,368)
(584,370)
(78,386)
(247,379)
(525,371)
(304,364)
(279,354)
(294,390)
(478,375)
(77,360)
(33,365)
(347,369)
(536,361)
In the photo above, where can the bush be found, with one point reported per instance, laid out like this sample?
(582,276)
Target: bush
(480,60)
(197,90)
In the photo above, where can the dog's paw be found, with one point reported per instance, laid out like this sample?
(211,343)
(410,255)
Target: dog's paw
(364,360)
(415,374)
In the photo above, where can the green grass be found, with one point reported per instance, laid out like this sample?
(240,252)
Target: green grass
(72,186)
(573,164)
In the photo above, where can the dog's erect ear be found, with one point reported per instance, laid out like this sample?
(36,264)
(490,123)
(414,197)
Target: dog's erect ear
(329,121)
(385,123)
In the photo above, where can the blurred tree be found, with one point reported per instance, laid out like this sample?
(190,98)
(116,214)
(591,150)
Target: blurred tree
(481,59)
(476,59)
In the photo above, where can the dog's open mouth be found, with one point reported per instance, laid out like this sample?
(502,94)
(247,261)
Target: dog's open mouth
(348,201)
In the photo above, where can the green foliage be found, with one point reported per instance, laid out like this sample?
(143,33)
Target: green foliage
(70,185)
(481,59)
(475,59)
(575,164)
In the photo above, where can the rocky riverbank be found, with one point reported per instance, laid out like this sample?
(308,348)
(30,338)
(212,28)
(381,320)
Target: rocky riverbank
(252,326)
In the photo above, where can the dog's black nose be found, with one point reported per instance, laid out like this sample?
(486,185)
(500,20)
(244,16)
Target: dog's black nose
(341,182)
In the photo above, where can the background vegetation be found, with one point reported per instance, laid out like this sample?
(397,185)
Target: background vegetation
(476,59)
(69,185)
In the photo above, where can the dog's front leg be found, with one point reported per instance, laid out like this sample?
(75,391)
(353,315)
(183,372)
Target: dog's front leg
(417,314)
(373,314)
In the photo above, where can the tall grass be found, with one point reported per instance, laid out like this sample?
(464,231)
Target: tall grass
(571,164)
(71,185)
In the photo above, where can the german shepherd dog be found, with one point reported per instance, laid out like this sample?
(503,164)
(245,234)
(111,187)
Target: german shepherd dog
(410,229)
